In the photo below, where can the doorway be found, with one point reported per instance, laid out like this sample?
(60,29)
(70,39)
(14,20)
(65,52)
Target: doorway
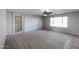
(18,23)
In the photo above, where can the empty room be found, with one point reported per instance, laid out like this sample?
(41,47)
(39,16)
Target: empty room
(39,28)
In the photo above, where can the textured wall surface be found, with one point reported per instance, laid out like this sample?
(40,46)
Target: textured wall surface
(9,23)
(3,26)
(33,23)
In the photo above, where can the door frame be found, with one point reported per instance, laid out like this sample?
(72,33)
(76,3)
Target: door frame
(14,15)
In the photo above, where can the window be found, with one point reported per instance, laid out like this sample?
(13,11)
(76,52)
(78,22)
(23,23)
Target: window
(59,21)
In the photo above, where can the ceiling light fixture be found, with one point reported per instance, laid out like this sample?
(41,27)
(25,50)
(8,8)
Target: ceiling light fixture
(46,12)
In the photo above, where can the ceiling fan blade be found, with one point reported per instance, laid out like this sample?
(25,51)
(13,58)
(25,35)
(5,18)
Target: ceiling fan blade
(50,12)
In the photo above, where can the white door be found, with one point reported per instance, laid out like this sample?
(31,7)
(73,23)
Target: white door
(18,23)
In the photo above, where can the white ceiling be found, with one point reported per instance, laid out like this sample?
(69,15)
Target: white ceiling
(38,11)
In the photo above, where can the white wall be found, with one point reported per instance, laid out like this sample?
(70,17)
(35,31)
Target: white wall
(73,24)
(30,22)
(3,26)
(9,23)
(33,23)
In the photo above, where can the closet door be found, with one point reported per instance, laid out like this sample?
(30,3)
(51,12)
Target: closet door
(18,23)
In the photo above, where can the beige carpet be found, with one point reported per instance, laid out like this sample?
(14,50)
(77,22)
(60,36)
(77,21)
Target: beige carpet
(41,40)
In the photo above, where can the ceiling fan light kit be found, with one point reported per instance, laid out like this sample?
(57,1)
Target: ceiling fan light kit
(46,12)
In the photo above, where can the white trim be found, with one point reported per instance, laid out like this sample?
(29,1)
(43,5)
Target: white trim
(14,22)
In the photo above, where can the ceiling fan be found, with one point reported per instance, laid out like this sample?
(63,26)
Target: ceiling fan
(47,12)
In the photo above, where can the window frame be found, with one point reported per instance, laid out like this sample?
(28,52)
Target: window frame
(62,26)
